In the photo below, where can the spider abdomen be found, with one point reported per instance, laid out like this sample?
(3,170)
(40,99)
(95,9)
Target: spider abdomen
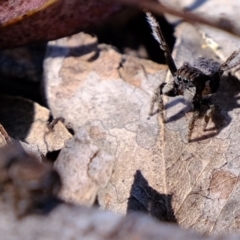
(207,66)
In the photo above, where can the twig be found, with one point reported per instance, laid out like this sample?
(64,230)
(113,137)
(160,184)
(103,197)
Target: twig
(157,8)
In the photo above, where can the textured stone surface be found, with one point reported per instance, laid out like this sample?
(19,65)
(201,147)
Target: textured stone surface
(27,121)
(72,222)
(84,169)
(110,96)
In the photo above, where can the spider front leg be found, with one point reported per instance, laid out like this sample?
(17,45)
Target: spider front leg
(195,116)
(209,113)
(168,89)
(157,97)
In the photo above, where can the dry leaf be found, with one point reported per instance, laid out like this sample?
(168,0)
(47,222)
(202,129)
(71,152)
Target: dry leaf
(24,22)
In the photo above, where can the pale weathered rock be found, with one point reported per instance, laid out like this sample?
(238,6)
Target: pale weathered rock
(32,149)
(30,209)
(5,140)
(210,158)
(74,222)
(27,121)
(84,169)
(112,103)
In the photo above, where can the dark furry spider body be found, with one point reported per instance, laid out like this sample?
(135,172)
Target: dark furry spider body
(195,82)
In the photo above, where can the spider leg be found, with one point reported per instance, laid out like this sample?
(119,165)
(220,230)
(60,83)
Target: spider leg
(195,116)
(158,35)
(157,97)
(170,90)
(209,113)
(231,62)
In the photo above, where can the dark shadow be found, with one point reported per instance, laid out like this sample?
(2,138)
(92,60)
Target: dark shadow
(129,31)
(132,34)
(78,51)
(175,102)
(45,206)
(181,113)
(52,156)
(16,116)
(225,100)
(19,87)
(21,71)
(144,198)
(195,5)
(177,116)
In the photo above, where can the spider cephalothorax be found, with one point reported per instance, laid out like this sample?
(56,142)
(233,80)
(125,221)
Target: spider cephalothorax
(195,82)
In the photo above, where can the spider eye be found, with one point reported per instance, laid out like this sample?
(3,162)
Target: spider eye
(185,80)
(179,78)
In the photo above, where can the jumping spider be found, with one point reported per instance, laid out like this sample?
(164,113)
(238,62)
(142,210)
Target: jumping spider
(195,82)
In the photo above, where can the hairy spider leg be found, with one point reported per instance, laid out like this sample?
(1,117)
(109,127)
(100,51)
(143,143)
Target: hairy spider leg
(157,97)
(168,89)
(231,62)
(195,116)
(158,35)
(209,113)
(196,112)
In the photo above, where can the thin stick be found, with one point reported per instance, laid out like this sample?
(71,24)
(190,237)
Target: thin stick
(157,8)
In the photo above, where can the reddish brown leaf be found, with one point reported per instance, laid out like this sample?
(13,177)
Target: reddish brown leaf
(37,20)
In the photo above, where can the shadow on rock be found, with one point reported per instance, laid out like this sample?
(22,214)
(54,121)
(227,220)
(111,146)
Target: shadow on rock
(144,198)
(225,100)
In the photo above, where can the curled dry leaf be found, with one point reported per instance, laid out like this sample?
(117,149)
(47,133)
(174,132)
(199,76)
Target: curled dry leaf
(23,22)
